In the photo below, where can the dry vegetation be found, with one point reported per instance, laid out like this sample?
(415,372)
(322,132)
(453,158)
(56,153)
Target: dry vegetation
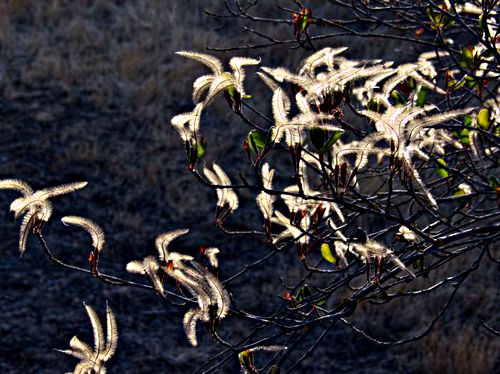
(87,88)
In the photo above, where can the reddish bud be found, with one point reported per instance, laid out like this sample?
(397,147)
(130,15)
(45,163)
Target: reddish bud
(302,250)
(318,213)
(93,258)
(301,21)
(267,229)
(336,171)
(343,173)
(405,88)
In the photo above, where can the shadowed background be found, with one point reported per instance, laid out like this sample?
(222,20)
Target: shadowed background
(87,92)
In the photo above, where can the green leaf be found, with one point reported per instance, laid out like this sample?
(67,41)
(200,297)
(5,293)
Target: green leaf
(465,140)
(303,23)
(327,253)
(462,136)
(373,105)
(321,302)
(398,98)
(471,81)
(319,136)
(419,264)
(422,97)
(439,20)
(431,16)
(201,147)
(231,91)
(333,139)
(469,78)
(483,118)
(458,192)
(468,120)
(493,182)
(442,172)
(257,140)
(411,83)
(453,84)
(303,293)
(467,57)
(245,358)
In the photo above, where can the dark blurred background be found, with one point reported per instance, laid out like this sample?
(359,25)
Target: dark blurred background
(87,90)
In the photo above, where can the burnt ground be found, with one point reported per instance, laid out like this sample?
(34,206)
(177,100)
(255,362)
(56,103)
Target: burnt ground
(87,94)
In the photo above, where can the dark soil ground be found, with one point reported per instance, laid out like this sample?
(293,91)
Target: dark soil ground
(87,91)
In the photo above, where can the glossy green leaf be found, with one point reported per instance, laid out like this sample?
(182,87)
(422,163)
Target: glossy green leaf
(422,97)
(433,17)
(454,85)
(465,140)
(257,140)
(438,19)
(483,118)
(462,136)
(333,139)
(467,120)
(201,147)
(303,23)
(321,302)
(412,83)
(471,81)
(231,91)
(374,106)
(493,183)
(442,172)
(469,78)
(397,97)
(327,253)
(467,57)
(319,137)
(245,358)
(303,293)
(458,192)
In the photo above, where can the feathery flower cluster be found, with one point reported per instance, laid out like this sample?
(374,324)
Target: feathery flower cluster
(92,361)
(210,295)
(403,130)
(35,206)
